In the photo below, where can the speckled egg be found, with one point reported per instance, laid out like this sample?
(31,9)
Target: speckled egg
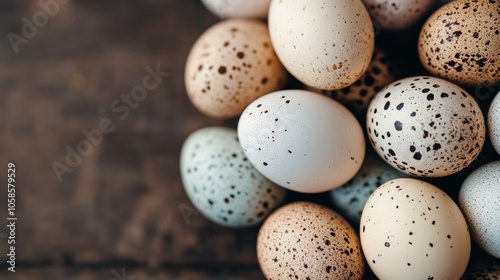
(426,126)
(357,96)
(479,200)
(232,64)
(350,198)
(304,240)
(238,8)
(494,122)
(302,141)
(324,44)
(410,229)
(397,14)
(220,181)
(461,42)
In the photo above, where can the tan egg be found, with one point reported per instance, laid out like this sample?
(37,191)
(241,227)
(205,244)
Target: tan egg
(304,240)
(324,44)
(397,14)
(356,97)
(461,42)
(232,64)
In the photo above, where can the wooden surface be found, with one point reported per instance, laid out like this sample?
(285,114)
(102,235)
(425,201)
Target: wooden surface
(117,215)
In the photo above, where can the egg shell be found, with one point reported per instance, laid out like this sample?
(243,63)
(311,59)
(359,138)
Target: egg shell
(396,15)
(220,181)
(304,240)
(461,42)
(411,229)
(302,141)
(356,97)
(230,65)
(479,199)
(238,8)
(426,126)
(494,123)
(324,44)
(351,197)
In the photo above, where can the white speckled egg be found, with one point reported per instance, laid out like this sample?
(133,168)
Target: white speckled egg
(426,126)
(351,197)
(221,183)
(460,42)
(397,14)
(324,44)
(232,64)
(357,96)
(479,200)
(494,122)
(304,240)
(412,230)
(302,141)
(238,8)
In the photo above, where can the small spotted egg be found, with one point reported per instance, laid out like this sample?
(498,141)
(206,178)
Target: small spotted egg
(411,229)
(232,64)
(483,269)
(302,141)
(304,240)
(397,14)
(350,198)
(479,200)
(324,44)
(461,42)
(221,183)
(426,126)
(494,122)
(238,8)
(357,96)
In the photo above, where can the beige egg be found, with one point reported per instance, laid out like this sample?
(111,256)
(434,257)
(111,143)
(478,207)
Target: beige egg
(356,97)
(324,44)
(232,64)
(397,14)
(304,240)
(461,42)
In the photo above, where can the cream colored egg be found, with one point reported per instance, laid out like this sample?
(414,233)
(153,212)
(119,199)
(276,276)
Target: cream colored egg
(304,240)
(461,42)
(397,14)
(232,64)
(238,8)
(324,44)
(410,229)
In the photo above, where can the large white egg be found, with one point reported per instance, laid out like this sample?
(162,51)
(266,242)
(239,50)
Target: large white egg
(301,140)
(324,44)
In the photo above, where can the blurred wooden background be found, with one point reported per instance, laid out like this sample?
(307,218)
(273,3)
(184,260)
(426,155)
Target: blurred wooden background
(117,215)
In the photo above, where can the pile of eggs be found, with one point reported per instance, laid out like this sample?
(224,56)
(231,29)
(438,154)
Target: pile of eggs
(349,126)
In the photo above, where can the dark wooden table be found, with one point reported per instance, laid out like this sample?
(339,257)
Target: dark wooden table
(116,213)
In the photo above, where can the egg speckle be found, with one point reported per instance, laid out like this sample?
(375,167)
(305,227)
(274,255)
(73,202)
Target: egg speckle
(324,44)
(302,141)
(220,181)
(410,229)
(397,14)
(479,200)
(494,122)
(461,42)
(304,240)
(426,126)
(232,64)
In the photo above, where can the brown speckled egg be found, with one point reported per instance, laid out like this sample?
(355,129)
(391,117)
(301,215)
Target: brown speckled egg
(356,97)
(397,14)
(411,229)
(232,64)
(304,240)
(461,42)
(426,126)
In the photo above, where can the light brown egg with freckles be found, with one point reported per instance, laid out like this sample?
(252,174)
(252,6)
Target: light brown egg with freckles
(304,240)
(461,42)
(232,64)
